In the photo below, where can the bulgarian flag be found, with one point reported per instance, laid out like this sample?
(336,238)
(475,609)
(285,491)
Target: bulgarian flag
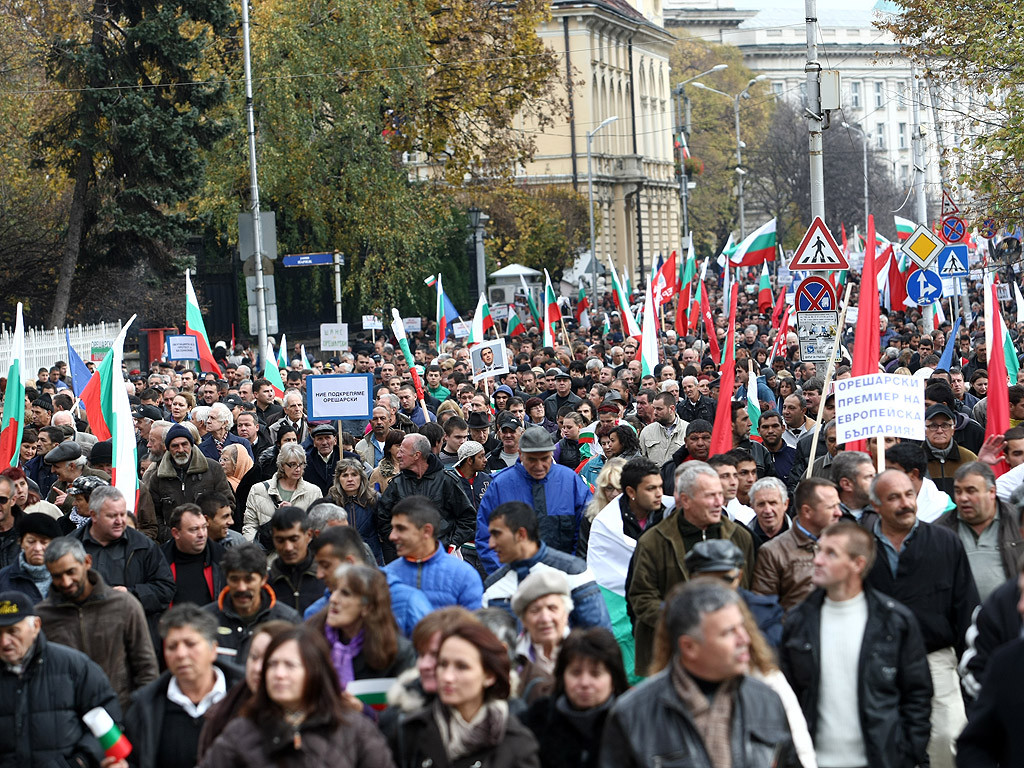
(194,326)
(999,368)
(757,248)
(529,300)
(753,404)
(693,318)
(649,336)
(482,321)
(764,290)
(582,305)
(606,325)
(271,372)
(372,692)
(515,325)
(551,312)
(110,417)
(398,329)
(14,398)
(685,288)
(282,352)
(622,302)
(305,358)
(904,228)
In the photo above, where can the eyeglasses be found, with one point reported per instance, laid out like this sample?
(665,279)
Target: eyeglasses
(4,499)
(944,427)
(294,464)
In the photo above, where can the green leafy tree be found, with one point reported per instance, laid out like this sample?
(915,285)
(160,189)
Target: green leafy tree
(134,122)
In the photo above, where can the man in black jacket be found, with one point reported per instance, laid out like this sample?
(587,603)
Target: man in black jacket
(702,709)
(423,475)
(322,457)
(45,689)
(839,650)
(925,567)
(167,715)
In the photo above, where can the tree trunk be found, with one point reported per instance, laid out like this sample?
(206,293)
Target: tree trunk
(73,243)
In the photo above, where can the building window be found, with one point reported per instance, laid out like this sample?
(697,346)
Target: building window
(855,95)
(904,174)
(774,32)
(903,136)
(880,135)
(879,94)
(902,97)
(778,88)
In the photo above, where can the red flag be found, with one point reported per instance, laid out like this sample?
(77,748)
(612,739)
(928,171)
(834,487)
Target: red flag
(998,396)
(865,347)
(666,282)
(779,347)
(682,305)
(780,304)
(721,433)
(709,323)
(846,245)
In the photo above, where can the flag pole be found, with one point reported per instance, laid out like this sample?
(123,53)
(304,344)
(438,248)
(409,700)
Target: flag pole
(565,334)
(829,370)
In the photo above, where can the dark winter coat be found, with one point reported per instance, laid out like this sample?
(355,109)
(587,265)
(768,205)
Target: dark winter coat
(458,517)
(894,685)
(170,489)
(566,741)
(234,634)
(41,710)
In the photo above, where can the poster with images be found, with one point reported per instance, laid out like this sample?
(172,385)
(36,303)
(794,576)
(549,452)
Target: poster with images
(489,359)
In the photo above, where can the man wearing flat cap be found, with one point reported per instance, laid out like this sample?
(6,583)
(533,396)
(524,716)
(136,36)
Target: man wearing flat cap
(322,456)
(183,475)
(28,574)
(563,394)
(68,464)
(45,690)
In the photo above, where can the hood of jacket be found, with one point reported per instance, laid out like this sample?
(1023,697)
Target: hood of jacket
(267,601)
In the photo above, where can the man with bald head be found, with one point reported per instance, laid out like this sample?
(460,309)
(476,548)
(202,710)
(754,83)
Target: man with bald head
(925,567)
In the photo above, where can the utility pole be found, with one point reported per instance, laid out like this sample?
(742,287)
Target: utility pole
(254,189)
(813,111)
(918,148)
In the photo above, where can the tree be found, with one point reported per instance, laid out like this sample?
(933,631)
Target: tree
(136,118)
(713,208)
(970,61)
(778,181)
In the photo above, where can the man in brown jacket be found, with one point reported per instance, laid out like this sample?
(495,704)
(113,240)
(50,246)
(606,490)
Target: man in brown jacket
(786,563)
(107,625)
(657,563)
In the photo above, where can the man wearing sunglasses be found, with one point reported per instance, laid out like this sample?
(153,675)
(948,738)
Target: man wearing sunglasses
(945,456)
(9,543)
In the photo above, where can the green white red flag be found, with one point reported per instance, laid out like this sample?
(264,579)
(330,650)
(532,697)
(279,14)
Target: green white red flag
(551,312)
(515,325)
(629,325)
(757,248)
(110,417)
(398,329)
(194,326)
(753,404)
(904,228)
(282,353)
(582,305)
(764,290)
(689,272)
(14,398)
(534,312)
(271,372)
(482,321)
(649,335)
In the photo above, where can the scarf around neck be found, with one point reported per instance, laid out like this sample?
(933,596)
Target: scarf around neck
(713,719)
(342,653)
(39,574)
(461,737)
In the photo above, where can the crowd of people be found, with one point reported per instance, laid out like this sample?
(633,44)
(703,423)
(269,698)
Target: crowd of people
(548,567)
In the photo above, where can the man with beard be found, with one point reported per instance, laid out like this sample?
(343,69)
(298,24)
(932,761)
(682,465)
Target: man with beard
(696,447)
(770,428)
(665,435)
(83,612)
(182,476)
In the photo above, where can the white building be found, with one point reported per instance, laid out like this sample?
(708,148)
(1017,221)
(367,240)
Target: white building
(876,78)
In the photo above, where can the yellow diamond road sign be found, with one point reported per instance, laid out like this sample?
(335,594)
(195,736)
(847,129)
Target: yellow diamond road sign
(922,246)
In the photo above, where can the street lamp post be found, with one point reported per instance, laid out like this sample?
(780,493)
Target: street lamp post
(740,173)
(864,144)
(590,196)
(683,128)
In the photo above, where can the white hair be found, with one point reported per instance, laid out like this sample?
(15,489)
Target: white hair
(222,413)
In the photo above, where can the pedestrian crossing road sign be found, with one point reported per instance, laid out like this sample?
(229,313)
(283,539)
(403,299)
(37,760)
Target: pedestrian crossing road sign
(922,246)
(819,250)
(953,261)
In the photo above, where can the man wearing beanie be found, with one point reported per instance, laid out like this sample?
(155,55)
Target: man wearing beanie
(28,574)
(183,475)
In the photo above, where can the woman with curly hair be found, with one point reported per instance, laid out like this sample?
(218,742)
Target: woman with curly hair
(388,466)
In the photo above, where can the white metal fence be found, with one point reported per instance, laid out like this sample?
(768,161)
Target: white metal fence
(45,346)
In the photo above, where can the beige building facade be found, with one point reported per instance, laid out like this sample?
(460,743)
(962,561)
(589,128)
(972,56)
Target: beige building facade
(614,62)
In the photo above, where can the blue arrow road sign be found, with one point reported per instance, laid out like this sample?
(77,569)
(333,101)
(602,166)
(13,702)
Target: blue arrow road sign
(307,259)
(953,261)
(924,287)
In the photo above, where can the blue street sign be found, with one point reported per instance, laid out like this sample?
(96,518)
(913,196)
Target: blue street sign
(953,261)
(815,294)
(953,229)
(924,287)
(307,259)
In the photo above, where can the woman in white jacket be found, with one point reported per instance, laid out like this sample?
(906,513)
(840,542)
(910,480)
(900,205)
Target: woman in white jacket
(285,489)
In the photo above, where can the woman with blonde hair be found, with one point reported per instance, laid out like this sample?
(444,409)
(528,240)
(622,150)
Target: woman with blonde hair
(387,468)
(448,407)
(286,488)
(607,485)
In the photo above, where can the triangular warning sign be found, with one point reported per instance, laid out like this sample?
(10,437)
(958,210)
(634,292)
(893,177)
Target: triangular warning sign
(948,206)
(818,250)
